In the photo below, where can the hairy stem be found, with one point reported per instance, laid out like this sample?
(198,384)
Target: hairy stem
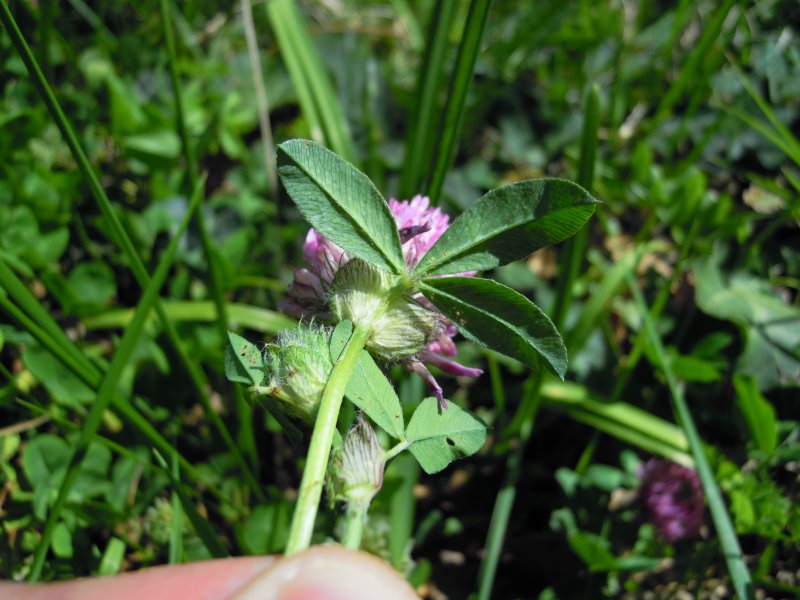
(355,519)
(305,511)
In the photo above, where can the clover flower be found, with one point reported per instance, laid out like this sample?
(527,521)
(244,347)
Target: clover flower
(673,497)
(412,330)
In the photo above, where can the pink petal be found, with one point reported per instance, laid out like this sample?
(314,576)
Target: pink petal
(420,369)
(448,366)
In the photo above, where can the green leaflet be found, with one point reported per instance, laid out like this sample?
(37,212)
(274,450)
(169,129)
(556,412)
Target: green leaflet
(507,224)
(244,362)
(341,203)
(370,391)
(438,437)
(496,316)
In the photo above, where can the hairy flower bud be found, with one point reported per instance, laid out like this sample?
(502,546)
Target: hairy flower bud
(356,469)
(362,293)
(299,364)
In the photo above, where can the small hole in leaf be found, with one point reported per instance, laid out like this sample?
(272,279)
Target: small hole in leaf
(450,442)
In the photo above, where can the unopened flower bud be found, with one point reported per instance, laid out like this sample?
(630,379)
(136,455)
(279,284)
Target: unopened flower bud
(356,469)
(363,293)
(299,365)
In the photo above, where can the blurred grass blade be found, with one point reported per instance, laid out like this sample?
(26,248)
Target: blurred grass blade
(176,530)
(765,130)
(111,562)
(60,346)
(261,101)
(402,507)
(108,388)
(118,233)
(504,502)
(454,109)
(732,552)
(525,416)
(782,136)
(431,83)
(91,17)
(47,333)
(692,66)
(318,99)
(90,375)
(241,315)
(246,437)
(656,309)
(622,420)
(574,249)
(201,525)
(613,280)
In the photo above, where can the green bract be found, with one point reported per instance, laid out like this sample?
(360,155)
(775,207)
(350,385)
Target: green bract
(298,366)
(363,294)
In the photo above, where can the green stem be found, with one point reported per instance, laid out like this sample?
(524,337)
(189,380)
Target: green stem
(732,551)
(395,450)
(319,450)
(355,519)
(504,502)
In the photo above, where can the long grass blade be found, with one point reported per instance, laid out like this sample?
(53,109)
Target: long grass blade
(264,126)
(108,388)
(504,502)
(574,249)
(532,398)
(176,530)
(692,67)
(315,92)
(454,109)
(782,136)
(204,530)
(91,376)
(430,84)
(246,437)
(732,552)
(118,233)
(621,419)
(242,315)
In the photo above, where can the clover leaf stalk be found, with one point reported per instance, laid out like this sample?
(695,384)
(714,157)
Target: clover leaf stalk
(310,492)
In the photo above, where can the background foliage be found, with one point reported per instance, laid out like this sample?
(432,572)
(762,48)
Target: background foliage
(678,116)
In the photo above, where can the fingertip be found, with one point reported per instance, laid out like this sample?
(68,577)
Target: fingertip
(328,573)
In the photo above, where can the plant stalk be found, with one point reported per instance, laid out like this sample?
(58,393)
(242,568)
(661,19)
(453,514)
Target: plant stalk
(731,550)
(355,519)
(319,450)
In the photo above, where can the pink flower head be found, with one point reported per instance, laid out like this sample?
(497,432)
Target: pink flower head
(419,227)
(673,497)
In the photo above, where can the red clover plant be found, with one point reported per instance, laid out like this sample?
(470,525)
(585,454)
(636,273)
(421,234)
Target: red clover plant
(394,282)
